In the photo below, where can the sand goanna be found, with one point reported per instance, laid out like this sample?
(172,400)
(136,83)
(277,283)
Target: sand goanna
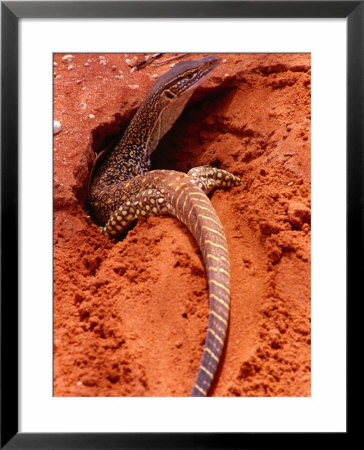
(123,189)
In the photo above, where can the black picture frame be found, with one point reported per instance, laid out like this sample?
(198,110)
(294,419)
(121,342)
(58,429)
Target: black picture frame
(11,12)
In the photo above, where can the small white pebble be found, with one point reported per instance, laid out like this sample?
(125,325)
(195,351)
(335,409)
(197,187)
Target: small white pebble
(131,61)
(68,58)
(58,76)
(290,183)
(172,65)
(87,65)
(101,57)
(226,75)
(113,68)
(100,77)
(57,127)
(63,111)
(91,116)
(134,86)
(79,81)
(103,62)
(70,67)
(83,105)
(84,88)
(55,64)
(79,383)
(224,61)
(155,75)
(119,77)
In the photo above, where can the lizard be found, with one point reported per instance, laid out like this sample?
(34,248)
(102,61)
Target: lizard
(123,188)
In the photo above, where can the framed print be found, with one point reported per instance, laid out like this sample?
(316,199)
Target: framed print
(206,141)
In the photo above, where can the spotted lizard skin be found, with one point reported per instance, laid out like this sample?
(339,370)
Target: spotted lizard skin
(123,189)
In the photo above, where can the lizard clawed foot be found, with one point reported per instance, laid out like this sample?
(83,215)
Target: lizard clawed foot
(207,178)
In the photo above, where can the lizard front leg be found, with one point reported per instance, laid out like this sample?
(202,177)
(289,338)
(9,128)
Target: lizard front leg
(149,202)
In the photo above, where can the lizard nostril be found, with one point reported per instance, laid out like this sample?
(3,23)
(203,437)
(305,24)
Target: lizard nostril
(169,95)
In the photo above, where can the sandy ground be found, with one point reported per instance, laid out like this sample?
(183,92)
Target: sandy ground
(130,317)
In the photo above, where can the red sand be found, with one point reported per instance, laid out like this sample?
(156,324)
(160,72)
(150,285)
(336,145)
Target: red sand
(130,317)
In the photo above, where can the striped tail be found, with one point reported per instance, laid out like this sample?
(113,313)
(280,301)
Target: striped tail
(192,207)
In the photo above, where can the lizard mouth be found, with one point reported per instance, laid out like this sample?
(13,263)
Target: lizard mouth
(209,65)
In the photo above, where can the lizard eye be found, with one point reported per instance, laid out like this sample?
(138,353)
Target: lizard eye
(189,75)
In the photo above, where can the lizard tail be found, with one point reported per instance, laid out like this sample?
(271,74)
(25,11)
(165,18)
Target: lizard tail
(192,207)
